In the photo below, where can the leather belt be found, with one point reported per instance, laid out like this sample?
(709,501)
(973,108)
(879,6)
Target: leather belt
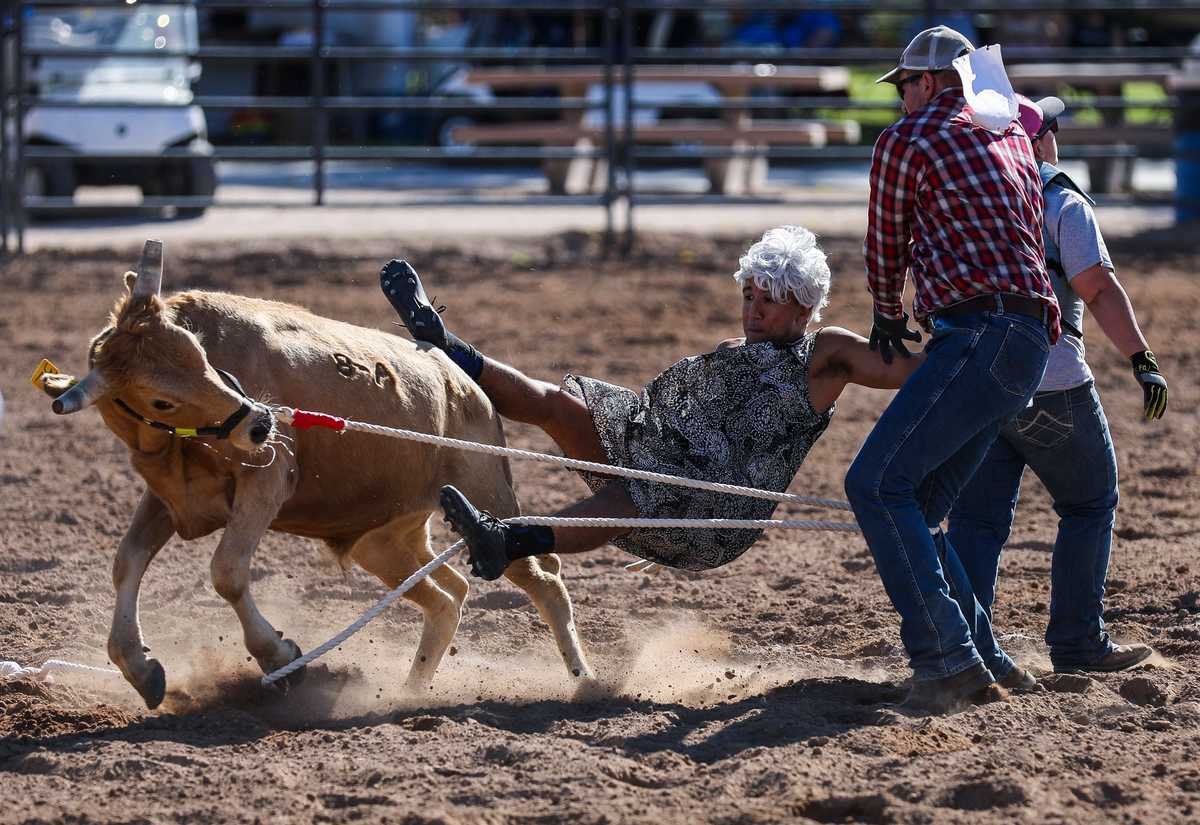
(998,302)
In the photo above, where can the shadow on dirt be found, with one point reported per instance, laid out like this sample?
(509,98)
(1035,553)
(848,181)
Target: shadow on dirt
(241,711)
(783,715)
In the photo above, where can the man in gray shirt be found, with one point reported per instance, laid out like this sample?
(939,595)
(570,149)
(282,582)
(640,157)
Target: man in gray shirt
(1063,435)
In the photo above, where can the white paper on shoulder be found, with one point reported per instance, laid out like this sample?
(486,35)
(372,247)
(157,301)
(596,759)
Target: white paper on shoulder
(987,88)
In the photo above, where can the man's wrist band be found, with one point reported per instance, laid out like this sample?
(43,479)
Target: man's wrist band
(1144,361)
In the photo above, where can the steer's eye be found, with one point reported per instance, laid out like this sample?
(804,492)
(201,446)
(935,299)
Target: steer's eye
(163,405)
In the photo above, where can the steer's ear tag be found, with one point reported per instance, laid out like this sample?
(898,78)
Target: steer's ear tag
(44,367)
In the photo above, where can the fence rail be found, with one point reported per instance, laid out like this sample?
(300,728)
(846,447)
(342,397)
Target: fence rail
(616,51)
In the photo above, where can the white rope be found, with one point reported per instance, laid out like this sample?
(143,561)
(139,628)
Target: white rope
(549,521)
(287,414)
(14,669)
(380,606)
(11,669)
(702,523)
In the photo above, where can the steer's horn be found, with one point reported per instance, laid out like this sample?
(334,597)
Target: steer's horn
(150,270)
(83,394)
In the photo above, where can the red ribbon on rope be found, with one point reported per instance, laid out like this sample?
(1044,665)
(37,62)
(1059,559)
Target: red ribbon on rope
(302,420)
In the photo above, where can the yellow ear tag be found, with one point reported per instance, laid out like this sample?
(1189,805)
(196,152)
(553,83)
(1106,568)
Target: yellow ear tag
(44,367)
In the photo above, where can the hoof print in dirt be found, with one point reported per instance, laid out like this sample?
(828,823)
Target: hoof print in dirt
(154,687)
(1068,682)
(985,795)
(1142,691)
(861,808)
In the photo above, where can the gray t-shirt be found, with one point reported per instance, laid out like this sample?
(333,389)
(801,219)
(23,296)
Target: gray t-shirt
(1071,224)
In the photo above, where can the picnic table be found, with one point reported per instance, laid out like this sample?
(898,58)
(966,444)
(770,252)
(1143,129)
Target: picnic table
(1105,80)
(731,81)
(736,128)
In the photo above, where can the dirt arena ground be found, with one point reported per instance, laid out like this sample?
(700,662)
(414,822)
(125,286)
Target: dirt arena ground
(764,691)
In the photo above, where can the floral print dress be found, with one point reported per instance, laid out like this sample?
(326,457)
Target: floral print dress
(736,416)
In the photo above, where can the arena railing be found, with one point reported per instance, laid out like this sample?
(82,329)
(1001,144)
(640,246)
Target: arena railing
(617,50)
(16,102)
(1098,157)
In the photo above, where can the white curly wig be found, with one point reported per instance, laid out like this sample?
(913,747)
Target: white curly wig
(788,260)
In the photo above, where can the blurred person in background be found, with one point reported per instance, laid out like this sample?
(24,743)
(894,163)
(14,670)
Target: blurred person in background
(959,21)
(1063,435)
(1091,30)
(805,30)
(959,207)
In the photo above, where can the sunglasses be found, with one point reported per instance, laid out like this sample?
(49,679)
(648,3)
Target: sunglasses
(900,84)
(1049,126)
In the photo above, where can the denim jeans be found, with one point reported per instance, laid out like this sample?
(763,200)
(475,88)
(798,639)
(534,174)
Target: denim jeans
(1064,439)
(980,370)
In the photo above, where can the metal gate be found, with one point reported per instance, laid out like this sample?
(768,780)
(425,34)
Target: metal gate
(614,49)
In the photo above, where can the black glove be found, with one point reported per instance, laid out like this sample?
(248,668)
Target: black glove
(887,333)
(1154,386)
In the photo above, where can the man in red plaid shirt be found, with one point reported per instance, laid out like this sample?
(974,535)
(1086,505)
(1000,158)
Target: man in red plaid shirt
(959,208)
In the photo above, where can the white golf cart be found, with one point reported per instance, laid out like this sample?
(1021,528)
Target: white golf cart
(168,120)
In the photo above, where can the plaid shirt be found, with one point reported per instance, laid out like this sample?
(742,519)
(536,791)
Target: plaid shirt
(958,205)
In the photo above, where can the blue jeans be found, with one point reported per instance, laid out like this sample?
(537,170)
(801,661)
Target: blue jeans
(1064,439)
(980,370)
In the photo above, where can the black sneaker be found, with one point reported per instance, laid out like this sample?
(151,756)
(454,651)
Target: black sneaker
(1121,657)
(486,536)
(402,287)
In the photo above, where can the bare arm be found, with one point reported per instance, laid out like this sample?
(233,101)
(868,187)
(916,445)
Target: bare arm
(1107,301)
(842,357)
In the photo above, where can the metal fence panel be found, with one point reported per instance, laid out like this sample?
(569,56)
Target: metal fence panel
(617,52)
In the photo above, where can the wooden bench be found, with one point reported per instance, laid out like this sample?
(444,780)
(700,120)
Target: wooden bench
(741,173)
(1142,135)
(1115,174)
(655,86)
(1107,80)
(731,81)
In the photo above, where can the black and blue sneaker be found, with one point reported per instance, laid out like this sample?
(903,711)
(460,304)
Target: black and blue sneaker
(402,287)
(486,536)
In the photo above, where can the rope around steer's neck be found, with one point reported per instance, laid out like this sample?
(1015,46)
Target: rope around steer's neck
(302,419)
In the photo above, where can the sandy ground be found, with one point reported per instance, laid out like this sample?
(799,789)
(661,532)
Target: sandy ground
(825,212)
(764,691)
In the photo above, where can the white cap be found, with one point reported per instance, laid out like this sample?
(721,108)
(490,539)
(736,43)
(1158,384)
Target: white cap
(930,51)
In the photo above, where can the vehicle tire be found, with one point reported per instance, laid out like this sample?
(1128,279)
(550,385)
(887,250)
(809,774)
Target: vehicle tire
(201,180)
(187,177)
(49,178)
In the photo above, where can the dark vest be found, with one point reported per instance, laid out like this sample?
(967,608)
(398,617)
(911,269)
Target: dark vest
(1068,301)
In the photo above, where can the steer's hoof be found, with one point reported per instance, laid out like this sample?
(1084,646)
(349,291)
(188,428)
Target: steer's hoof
(589,691)
(154,687)
(295,678)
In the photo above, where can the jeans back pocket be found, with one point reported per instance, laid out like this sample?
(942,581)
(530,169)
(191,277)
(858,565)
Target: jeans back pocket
(1048,422)
(1020,361)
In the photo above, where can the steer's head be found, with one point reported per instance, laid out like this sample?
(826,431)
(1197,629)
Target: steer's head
(154,368)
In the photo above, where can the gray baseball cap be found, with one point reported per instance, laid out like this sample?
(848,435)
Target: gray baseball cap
(930,51)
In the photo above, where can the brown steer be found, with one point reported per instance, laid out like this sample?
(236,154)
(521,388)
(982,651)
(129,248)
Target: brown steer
(177,363)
